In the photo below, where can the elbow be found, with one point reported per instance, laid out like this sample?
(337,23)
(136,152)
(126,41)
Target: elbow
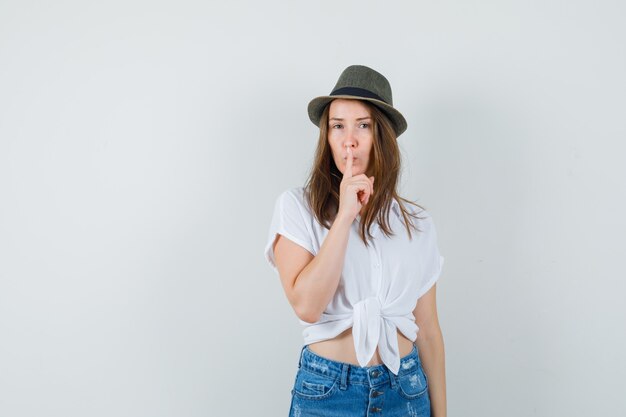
(307,315)
(304,309)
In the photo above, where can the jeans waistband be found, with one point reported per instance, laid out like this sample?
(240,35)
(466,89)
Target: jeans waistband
(349,373)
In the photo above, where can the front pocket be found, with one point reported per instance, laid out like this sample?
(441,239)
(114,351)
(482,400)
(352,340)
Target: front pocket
(312,386)
(413,384)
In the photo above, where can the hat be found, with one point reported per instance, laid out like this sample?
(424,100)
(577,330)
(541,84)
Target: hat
(363,83)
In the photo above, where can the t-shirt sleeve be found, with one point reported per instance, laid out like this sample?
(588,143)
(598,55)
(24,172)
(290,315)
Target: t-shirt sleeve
(290,220)
(432,260)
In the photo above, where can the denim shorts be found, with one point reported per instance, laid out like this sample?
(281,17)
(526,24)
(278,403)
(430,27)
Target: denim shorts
(324,387)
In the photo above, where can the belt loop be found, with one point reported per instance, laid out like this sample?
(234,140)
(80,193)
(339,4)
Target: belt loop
(344,376)
(393,379)
(301,353)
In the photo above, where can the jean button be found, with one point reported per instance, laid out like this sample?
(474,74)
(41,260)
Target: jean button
(375,374)
(375,409)
(376,394)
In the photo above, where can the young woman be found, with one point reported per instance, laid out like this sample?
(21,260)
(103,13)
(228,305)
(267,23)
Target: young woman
(358,264)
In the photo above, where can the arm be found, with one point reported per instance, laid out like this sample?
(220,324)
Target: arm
(311,281)
(431,350)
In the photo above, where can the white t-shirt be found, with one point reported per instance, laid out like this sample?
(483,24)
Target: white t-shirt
(379,286)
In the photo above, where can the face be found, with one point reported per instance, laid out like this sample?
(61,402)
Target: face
(350,124)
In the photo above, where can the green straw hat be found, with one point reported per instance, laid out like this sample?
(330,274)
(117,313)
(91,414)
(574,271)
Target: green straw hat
(362,83)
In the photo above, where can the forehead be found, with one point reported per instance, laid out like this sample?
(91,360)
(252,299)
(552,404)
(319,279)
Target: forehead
(341,107)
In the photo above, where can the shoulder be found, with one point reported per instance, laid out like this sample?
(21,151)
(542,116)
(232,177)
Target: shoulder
(421,214)
(422,218)
(295,194)
(293,199)
(427,226)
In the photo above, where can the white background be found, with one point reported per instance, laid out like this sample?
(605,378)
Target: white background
(143,144)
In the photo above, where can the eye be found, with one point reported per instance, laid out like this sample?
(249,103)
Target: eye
(334,126)
(365,124)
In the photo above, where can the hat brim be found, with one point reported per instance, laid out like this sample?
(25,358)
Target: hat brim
(317,105)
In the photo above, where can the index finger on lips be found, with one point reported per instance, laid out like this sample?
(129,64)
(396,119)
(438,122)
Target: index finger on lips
(348,171)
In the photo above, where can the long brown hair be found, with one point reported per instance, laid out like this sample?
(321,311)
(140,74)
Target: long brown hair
(322,186)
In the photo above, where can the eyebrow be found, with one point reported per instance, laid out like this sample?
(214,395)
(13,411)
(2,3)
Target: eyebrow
(360,118)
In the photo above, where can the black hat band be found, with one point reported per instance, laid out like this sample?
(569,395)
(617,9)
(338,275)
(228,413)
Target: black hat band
(355,91)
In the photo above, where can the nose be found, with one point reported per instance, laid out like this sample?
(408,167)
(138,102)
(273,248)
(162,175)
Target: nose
(348,144)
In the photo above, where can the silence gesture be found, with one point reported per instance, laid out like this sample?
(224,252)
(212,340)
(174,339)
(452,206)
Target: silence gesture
(354,191)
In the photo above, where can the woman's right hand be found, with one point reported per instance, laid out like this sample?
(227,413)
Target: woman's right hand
(354,192)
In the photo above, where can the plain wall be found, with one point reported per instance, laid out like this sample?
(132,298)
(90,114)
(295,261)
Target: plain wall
(143,144)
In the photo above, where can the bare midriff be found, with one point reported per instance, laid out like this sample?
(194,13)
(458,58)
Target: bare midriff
(341,348)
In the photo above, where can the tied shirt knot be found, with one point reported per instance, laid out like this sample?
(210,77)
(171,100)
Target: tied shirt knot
(369,325)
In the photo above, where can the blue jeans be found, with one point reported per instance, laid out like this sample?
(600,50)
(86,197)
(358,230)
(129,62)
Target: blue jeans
(324,387)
